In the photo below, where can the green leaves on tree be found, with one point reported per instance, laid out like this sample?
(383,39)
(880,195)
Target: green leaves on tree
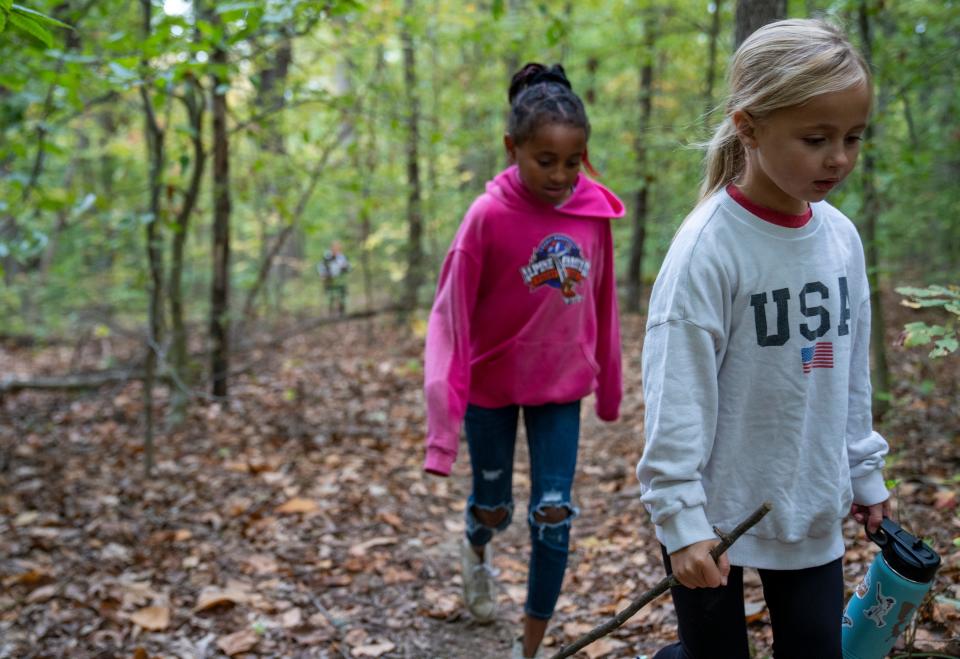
(29,21)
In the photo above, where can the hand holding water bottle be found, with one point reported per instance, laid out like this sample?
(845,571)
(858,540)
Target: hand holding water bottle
(871,516)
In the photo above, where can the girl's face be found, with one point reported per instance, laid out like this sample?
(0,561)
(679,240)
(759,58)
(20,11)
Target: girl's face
(549,161)
(798,154)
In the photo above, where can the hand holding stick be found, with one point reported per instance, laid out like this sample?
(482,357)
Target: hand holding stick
(726,539)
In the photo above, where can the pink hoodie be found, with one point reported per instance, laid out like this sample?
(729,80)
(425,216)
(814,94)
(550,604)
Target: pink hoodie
(525,311)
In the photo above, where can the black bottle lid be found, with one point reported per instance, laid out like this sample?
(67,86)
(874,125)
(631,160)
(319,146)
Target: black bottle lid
(906,554)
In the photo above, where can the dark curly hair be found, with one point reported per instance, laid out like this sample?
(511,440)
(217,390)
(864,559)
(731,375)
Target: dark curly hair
(543,95)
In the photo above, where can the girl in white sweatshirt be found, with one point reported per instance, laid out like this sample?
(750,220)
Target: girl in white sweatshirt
(756,358)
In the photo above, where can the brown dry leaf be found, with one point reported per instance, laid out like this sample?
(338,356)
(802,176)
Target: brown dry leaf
(753,611)
(262,563)
(602,648)
(33,577)
(258,465)
(213,596)
(242,641)
(373,650)
(338,581)
(26,518)
(649,616)
(516,593)
(152,618)
(320,620)
(392,519)
(438,604)
(140,653)
(361,549)
(315,637)
(574,630)
(945,609)
(355,565)
(134,593)
(945,499)
(356,636)
(511,570)
(291,618)
(392,575)
(236,506)
(298,505)
(42,594)
(641,617)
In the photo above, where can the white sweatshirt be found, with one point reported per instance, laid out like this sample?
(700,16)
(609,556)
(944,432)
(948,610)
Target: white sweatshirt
(757,386)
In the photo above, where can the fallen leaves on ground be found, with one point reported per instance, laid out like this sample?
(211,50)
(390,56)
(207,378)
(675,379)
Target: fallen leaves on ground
(295,520)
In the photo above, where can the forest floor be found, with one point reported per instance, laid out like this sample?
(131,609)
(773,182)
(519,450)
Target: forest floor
(295,521)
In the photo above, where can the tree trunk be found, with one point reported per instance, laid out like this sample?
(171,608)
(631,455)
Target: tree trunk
(639,232)
(713,38)
(155,158)
(194,103)
(367,174)
(880,372)
(414,277)
(752,14)
(433,121)
(220,289)
(270,101)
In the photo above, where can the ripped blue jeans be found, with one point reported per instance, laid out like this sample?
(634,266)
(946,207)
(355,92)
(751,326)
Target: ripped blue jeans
(553,432)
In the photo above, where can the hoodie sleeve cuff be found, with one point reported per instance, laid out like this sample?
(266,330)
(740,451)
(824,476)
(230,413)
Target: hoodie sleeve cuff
(608,407)
(439,461)
(687,527)
(870,489)
(607,411)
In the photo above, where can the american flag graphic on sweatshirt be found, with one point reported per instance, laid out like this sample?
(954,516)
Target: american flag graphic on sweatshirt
(819,355)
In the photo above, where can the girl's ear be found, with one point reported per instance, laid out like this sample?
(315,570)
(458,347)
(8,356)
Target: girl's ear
(511,148)
(746,128)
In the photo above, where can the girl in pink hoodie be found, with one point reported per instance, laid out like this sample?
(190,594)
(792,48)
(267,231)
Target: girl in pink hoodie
(525,316)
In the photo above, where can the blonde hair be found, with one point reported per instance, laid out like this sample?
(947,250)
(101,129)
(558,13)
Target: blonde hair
(780,65)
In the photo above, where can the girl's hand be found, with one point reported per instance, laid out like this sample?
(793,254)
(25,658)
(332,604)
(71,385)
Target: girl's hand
(871,515)
(693,566)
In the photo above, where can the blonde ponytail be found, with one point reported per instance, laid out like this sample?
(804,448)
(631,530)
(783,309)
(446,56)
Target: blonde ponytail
(724,159)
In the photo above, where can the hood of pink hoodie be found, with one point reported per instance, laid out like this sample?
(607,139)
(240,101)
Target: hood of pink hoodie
(589,199)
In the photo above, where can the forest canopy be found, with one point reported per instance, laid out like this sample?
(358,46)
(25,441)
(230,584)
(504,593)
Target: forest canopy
(132,134)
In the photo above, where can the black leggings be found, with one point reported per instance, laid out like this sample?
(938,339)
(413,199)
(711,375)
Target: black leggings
(805,607)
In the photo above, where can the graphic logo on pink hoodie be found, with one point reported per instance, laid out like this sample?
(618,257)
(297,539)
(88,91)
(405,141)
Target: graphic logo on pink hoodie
(557,262)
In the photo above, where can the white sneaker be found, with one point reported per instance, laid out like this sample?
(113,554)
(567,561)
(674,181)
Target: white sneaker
(518,650)
(479,587)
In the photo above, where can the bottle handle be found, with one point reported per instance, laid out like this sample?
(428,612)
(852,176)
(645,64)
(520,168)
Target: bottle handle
(881,537)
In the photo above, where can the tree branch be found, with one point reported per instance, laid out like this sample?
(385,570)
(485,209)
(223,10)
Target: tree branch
(726,539)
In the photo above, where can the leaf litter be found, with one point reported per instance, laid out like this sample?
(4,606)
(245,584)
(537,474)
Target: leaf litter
(295,521)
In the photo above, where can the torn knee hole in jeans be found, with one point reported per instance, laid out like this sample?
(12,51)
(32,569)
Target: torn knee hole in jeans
(553,515)
(552,512)
(491,517)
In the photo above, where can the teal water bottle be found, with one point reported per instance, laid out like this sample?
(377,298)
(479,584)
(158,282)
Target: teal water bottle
(886,600)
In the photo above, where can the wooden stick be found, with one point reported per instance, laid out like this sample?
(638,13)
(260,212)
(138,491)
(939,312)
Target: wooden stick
(726,539)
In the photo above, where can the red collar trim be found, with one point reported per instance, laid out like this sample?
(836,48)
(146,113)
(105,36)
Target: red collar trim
(767,214)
